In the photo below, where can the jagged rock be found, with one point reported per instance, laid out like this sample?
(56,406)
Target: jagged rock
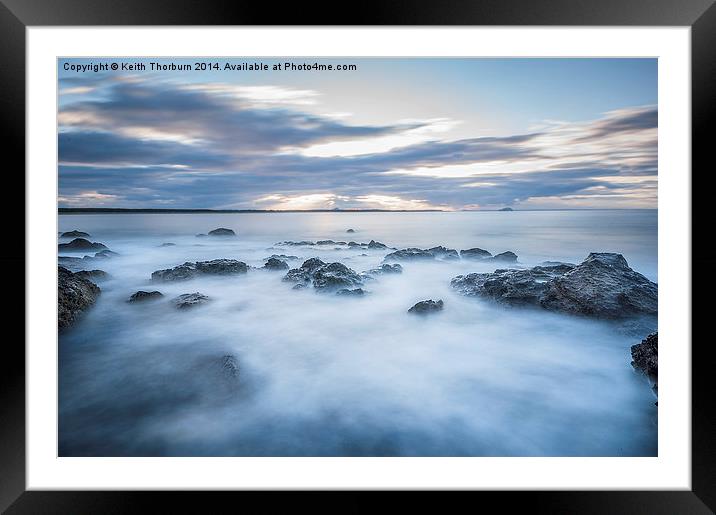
(645,358)
(356,292)
(410,254)
(385,269)
(505,257)
(425,307)
(335,276)
(276,264)
(475,253)
(324,276)
(282,257)
(142,296)
(74,234)
(602,286)
(169,244)
(376,245)
(511,287)
(74,295)
(80,244)
(557,263)
(330,242)
(93,275)
(106,253)
(444,253)
(189,270)
(350,230)
(221,231)
(189,300)
(304,243)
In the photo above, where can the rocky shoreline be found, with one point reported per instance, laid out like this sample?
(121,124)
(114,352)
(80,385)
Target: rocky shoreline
(602,287)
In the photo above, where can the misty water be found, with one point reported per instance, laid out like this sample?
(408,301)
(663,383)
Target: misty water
(321,375)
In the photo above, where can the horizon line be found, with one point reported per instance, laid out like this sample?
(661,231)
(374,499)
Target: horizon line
(78,210)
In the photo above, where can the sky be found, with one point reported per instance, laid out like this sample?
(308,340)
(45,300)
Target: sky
(440,133)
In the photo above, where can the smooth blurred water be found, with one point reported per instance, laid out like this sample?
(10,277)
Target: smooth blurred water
(322,375)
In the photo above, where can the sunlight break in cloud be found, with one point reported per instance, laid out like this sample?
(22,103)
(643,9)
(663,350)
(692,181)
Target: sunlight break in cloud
(89,198)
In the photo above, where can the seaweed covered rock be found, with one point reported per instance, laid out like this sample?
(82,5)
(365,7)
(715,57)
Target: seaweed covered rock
(75,294)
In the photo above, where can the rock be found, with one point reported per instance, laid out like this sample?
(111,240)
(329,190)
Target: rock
(444,253)
(80,244)
(282,257)
(105,254)
(557,263)
(74,234)
(189,300)
(74,295)
(142,296)
(96,275)
(335,276)
(410,254)
(475,253)
(221,231)
(168,244)
(276,264)
(230,366)
(505,257)
(385,269)
(351,230)
(299,286)
(376,245)
(324,276)
(425,307)
(645,358)
(296,243)
(190,270)
(506,209)
(356,292)
(510,287)
(201,235)
(330,242)
(602,286)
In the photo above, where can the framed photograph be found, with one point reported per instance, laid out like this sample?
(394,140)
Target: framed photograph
(428,248)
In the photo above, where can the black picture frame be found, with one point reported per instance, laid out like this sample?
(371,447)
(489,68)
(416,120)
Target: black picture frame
(17,15)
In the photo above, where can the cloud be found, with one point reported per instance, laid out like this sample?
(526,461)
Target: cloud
(217,145)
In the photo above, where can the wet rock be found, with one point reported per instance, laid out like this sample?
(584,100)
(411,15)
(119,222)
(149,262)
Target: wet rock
(385,269)
(189,300)
(330,242)
(444,253)
(79,245)
(74,234)
(475,253)
(645,358)
(221,231)
(106,253)
(282,257)
(93,275)
(303,243)
(602,286)
(169,244)
(376,245)
(299,286)
(410,254)
(276,264)
(201,235)
(351,230)
(75,294)
(425,307)
(142,296)
(230,366)
(510,287)
(190,270)
(324,276)
(335,276)
(356,292)
(505,257)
